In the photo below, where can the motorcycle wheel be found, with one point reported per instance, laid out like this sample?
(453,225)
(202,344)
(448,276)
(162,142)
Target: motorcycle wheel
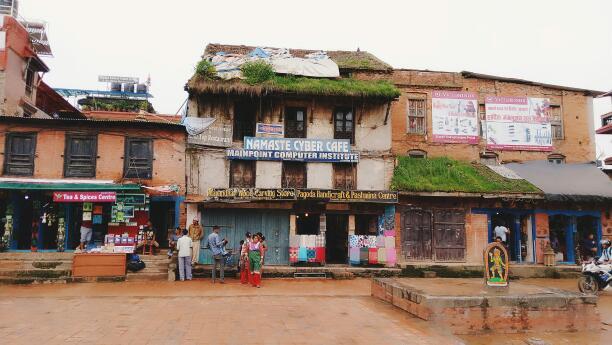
(588,284)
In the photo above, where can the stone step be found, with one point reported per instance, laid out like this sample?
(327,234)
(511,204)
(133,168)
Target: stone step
(30,280)
(35,256)
(35,273)
(144,276)
(153,270)
(35,264)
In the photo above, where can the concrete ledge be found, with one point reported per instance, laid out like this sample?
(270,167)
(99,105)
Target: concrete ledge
(467,307)
(460,270)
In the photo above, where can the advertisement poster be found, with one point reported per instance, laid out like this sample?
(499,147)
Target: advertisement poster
(518,123)
(454,117)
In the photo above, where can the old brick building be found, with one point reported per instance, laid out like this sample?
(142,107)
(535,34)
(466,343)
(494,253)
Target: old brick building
(50,165)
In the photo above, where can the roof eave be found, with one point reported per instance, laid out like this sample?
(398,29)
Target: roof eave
(501,195)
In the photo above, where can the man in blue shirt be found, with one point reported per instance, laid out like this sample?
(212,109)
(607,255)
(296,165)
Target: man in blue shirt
(216,246)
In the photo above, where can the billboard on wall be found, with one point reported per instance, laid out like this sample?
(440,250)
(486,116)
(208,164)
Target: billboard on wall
(208,131)
(518,123)
(454,117)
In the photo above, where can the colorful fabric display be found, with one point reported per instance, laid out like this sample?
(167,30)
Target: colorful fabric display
(380,241)
(371,241)
(362,242)
(389,242)
(389,232)
(320,254)
(293,254)
(312,241)
(311,254)
(303,241)
(294,241)
(354,255)
(353,241)
(303,254)
(320,241)
(382,256)
(391,256)
(373,255)
(364,254)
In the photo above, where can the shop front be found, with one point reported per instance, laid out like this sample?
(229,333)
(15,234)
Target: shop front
(306,226)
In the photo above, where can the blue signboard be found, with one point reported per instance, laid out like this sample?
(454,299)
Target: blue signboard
(266,155)
(297,144)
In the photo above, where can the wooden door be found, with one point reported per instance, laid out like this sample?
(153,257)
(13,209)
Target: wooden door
(449,234)
(416,234)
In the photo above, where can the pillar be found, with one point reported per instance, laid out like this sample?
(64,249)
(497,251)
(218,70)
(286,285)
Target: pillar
(542,235)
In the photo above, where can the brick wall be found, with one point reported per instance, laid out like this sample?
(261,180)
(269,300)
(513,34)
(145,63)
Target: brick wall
(476,237)
(606,224)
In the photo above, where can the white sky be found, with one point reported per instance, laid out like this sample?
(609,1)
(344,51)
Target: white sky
(558,42)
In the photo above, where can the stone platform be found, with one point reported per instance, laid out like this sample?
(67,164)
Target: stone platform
(467,306)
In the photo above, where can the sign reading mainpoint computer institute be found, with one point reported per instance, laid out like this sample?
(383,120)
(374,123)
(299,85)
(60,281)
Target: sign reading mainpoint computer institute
(84,196)
(295,149)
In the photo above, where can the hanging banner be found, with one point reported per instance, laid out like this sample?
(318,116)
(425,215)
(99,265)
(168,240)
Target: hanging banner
(263,155)
(84,196)
(454,117)
(209,132)
(518,123)
(270,129)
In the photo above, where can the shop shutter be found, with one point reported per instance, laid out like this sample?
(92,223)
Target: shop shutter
(449,234)
(80,156)
(19,154)
(416,234)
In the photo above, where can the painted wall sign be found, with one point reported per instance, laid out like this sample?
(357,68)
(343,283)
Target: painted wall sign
(297,144)
(216,134)
(264,155)
(454,116)
(518,123)
(270,129)
(84,196)
(251,194)
(290,194)
(496,264)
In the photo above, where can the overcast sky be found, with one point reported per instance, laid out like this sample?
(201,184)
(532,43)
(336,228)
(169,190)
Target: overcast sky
(559,42)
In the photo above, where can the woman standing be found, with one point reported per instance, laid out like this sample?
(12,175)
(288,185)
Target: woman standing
(256,256)
(244,259)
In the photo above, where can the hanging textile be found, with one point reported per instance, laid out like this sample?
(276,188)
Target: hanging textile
(373,255)
(320,254)
(293,254)
(354,255)
(303,254)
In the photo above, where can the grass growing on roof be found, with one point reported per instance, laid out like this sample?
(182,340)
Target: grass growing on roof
(205,69)
(343,86)
(255,72)
(448,175)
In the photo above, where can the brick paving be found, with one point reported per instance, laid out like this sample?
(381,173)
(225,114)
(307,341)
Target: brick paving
(282,312)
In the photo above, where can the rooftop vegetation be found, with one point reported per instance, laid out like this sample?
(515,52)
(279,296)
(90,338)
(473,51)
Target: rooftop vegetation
(116,104)
(448,175)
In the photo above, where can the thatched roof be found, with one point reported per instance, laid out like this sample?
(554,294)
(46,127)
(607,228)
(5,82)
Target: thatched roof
(346,60)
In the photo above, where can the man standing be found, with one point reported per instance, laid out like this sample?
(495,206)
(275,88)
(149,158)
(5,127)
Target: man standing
(195,232)
(86,232)
(501,231)
(216,246)
(589,248)
(183,246)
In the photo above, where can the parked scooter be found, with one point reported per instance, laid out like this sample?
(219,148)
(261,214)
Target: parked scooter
(595,277)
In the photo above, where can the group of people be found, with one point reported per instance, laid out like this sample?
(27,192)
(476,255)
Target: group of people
(186,243)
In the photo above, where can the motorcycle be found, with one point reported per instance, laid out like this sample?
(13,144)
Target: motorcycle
(595,277)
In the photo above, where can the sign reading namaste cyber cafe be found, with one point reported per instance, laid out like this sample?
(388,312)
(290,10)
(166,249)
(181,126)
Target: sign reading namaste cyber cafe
(290,194)
(454,117)
(295,149)
(84,196)
(496,264)
(518,123)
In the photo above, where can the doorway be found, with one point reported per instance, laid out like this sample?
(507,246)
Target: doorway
(513,238)
(585,226)
(162,216)
(25,217)
(559,226)
(336,239)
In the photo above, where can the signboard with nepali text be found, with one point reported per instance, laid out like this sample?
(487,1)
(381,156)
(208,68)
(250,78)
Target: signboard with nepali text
(454,117)
(84,196)
(270,129)
(295,149)
(290,194)
(518,123)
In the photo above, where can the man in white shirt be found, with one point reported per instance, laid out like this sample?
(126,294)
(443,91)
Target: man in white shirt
(183,246)
(501,231)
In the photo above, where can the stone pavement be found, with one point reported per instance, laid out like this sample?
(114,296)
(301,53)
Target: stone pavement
(197,312)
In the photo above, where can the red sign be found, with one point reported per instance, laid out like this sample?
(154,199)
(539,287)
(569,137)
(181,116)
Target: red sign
(84,196)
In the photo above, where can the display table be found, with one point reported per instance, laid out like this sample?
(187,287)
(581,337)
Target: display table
(98,265)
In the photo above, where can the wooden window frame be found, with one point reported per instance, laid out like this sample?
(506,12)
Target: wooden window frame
(291,132)
(29,76)
(233,164)
(134,172)
(289,182)
(336,171)
(342,134)
(557,122)
(68,154)
(415,115)
(8,156)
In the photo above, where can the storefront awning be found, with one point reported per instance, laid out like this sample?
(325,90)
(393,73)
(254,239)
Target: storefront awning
(64,185)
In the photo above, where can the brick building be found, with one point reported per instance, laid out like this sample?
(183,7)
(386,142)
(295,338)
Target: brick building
(50,165)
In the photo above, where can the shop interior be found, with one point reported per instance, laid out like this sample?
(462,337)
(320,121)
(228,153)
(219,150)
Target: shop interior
(336,238)
(520,239)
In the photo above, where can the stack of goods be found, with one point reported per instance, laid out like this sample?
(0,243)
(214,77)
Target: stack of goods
(119,243)
(307,248)
(364,250)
